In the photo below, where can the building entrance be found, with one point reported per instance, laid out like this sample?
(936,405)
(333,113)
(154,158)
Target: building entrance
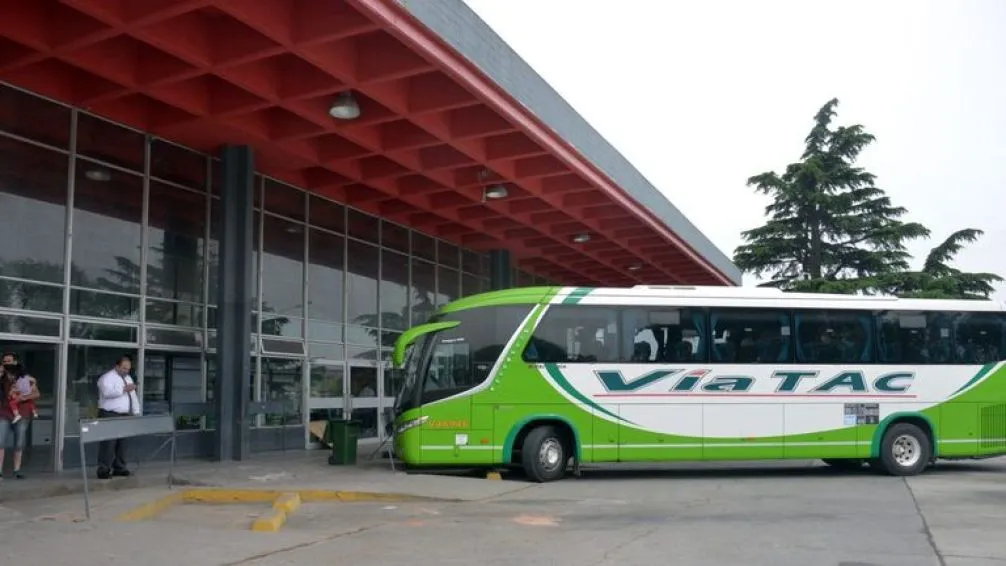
(41,360)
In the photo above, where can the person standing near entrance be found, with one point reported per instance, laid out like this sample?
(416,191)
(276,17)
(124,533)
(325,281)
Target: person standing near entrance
(116,398)
(11,426)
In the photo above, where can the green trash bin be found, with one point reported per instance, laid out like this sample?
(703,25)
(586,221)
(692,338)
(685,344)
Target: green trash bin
(343,435)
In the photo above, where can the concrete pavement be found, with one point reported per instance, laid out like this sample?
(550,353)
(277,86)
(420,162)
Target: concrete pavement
(703,514)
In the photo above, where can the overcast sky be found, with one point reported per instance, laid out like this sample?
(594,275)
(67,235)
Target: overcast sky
(699,96)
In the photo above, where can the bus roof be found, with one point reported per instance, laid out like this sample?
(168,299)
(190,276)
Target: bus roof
(713,296)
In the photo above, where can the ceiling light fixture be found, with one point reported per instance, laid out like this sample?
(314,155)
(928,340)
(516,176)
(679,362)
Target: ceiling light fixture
(581,238)
(100,175)
(495,192)
(344,107)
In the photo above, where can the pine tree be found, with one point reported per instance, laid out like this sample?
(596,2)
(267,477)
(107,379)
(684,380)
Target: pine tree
(938,279)
(829,228)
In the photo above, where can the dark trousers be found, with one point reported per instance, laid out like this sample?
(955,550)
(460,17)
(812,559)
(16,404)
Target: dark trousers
(111,453)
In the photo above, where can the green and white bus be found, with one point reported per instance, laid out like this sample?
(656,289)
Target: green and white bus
(547,377)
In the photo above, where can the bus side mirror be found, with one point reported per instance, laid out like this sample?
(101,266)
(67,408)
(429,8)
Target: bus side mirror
(411,335)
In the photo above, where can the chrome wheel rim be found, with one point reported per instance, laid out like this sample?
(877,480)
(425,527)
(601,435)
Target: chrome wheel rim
(550,454)
(906,450)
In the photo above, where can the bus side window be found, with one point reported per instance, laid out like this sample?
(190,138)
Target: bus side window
(575,334)
(912,338)
(834,337)
(750,336)
(663,335)
(978,338)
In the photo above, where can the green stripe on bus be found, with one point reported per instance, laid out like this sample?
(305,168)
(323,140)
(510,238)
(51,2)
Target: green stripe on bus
(576,295)
(981,373)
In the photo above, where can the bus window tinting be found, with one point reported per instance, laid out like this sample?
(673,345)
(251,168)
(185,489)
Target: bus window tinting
(834,337)
(570,334)
(663,335)
(750,336)
(979,338)
(462,357)
(913,338)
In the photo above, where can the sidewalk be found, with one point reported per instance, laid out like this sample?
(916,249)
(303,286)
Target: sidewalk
(294,469)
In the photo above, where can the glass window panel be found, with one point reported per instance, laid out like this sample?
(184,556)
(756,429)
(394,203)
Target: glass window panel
(447,286)
(447,254)
(462,357)
(34,118)
(285,200)
(280,325)
(361,292)
(177,164)
(166,337)
(283,380)
(394,236)
(327,380)
(33,200)
(394,379)
(394,292)
(834,337)
(980,338)
(104,332)
(325,284)
(473,262)
(111,143)
(362,354)
(30,296)
(471,285)
(581,334)
(104,305)
(85,364)
(914,338)
(423,291)
(424,246)
(323,351)
(742,336)
(174,313)
(328,215)
(213,253)
(282,276)
(282,347)
(13,324)
(176,237)
(106,230)
(170,378)
(364,226)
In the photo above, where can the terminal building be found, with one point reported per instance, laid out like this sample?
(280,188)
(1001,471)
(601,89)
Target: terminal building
(254,198)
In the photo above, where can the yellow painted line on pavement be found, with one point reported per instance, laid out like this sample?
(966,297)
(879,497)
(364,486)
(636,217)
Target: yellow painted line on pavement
(152,509)
(270,523)
(283,502)
(288,502)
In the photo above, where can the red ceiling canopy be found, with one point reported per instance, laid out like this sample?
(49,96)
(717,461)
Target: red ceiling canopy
(432,132)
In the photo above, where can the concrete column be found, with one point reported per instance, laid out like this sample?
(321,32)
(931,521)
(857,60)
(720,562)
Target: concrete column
(500,270)
(234,302)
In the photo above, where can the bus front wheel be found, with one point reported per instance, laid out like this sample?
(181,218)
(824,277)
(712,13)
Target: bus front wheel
(544,454)
(905,451)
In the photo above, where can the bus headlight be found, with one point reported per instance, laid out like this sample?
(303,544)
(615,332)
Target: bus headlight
(412,424)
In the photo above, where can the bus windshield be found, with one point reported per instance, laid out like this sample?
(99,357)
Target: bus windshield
(454,359)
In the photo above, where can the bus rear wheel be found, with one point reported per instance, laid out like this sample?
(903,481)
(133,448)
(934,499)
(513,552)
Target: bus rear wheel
(905,450)
(544,454)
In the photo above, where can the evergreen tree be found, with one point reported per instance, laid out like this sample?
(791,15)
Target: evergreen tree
(829,228)
(938,279)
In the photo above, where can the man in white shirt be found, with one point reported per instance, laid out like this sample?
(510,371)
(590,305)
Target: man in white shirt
(116,398)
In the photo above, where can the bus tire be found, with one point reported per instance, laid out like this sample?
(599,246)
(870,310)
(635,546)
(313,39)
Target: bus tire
(906,450)
(544,454)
